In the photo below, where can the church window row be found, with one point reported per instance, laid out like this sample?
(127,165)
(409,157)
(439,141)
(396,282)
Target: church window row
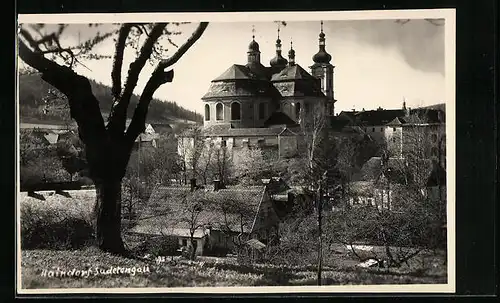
(235,111)
(219,111)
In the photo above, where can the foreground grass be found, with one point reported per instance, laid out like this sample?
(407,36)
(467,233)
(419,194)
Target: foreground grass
(36,266)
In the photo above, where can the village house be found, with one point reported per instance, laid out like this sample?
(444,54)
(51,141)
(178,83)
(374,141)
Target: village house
(227,216)
(396,129)
(376,184)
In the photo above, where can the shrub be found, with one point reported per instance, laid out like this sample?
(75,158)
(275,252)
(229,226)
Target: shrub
(158,246)
(51,227)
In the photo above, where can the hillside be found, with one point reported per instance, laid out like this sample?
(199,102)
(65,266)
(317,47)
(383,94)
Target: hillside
(33,91)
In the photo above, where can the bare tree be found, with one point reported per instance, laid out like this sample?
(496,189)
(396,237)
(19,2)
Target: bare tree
(107,145)
(401,214)
(191,149)
(194,213)
(206,160)
(315,137)
(222,163)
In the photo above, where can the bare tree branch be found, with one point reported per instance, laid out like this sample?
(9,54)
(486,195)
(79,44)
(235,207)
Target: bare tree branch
(118,60)
(118,114)
(159,77)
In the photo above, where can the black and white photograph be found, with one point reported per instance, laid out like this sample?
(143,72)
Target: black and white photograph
(236,152)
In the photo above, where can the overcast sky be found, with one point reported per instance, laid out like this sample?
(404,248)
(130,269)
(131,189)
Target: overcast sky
(377,63)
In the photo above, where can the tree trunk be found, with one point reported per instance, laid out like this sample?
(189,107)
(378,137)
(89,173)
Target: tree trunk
(193,249)
(320,231)
(107,214)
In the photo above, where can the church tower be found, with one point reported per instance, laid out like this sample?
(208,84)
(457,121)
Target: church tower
(323,69)
(253,50)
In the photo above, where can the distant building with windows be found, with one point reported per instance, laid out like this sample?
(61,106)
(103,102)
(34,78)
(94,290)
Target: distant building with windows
(399,129)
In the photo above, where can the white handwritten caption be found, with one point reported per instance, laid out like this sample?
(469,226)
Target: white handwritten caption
(85,273)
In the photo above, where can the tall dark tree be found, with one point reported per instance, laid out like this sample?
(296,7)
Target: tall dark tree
(108,145)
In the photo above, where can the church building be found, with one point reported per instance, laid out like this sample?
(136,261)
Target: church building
(256,105)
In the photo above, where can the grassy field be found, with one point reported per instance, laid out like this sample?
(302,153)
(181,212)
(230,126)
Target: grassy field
(50,269)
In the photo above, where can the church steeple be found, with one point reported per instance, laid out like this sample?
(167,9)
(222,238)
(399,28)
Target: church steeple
(253,49)
(323,70)
(322,57)
(291,55)
(278,61)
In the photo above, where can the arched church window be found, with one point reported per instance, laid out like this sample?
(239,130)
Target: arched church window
(235,111)
(297,109)
(262,110)
(219,111)
(207,112)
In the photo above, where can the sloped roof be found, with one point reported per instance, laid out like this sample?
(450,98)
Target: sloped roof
(161,127)
(226,131)
(238,72)
(166,209)
(394,116)
(279,118)
(287,132)
(294,72)
(378,117)
(240,88)
(424,115)
(372,170)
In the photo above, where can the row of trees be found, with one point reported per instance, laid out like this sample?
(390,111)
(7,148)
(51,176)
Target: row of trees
(40,101)
(401,213)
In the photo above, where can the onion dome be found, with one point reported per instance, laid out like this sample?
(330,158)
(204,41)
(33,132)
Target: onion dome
(253,46)
(278,60)
(322,57)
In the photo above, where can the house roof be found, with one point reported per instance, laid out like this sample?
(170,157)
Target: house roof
(161,128)
(362,188)
(167,208)
(378,117)
(394,116)
(372,170)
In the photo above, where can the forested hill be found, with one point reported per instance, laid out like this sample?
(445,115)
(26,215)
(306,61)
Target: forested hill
(33,91)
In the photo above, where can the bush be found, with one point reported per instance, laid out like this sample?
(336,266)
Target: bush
(159,246)
(216,251)
(53,228)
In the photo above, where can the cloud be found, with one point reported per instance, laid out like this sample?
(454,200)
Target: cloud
(421,43)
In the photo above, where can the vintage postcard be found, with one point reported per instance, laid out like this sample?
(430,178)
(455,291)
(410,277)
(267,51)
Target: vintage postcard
(293,152)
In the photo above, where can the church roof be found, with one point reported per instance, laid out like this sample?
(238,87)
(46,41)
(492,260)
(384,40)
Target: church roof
(279,118)
(226,131)
(238,72)
(294,81)
(291,73)
(240,88)
(298,89)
